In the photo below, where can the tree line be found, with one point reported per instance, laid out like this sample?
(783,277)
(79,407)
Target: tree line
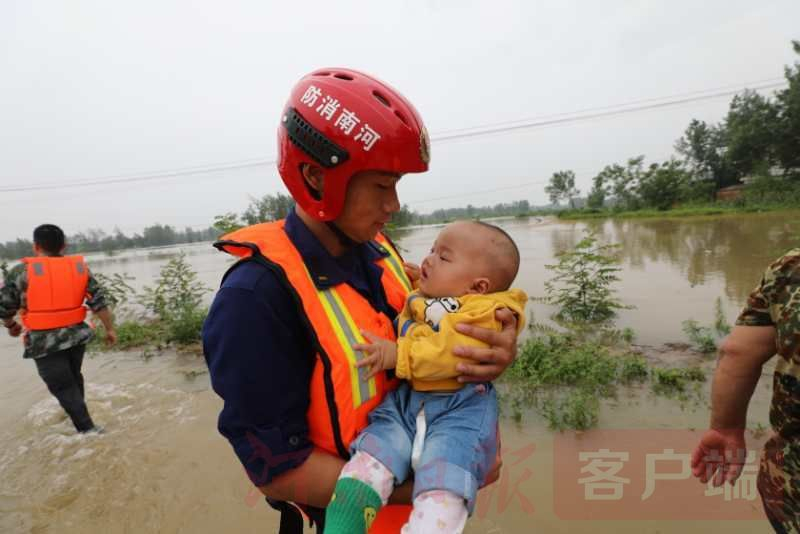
(756,142)
(97,240)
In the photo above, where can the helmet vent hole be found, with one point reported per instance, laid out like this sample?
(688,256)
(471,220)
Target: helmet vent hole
(342,76)
(382,99)
(322,73)
(402,118)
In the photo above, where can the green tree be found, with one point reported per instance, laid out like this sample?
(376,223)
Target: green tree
(751,132)
(403,217)
(268,208)
(788,123)
(159,235)
(703,148)
(596,198)
(662,186)
(562,187)
(620,184)
(227,223)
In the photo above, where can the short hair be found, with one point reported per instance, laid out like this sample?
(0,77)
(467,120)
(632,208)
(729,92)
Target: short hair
(504,256)
(49,237)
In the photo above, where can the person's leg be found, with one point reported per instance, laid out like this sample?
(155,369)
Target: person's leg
(56,371)
(779,484)
(437,511)
(381,457)
(75,364)
(458,452)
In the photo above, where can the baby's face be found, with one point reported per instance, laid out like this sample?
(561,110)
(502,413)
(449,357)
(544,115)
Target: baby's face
(454,263)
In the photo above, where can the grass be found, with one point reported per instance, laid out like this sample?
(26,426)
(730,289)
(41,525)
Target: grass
(687,211)
(671,381)
(130,335)
(565,379)
(183,331)
(701,337)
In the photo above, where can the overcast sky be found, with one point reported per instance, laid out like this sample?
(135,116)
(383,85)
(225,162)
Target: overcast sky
(103,89)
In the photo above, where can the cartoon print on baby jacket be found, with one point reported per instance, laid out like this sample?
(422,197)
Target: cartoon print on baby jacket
(436,308)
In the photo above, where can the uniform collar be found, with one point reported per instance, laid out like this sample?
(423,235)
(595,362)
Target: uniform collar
(327,270)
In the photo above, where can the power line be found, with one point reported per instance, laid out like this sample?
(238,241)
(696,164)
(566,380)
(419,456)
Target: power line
(448,135)
(153,176)
(534,123)
(737,87)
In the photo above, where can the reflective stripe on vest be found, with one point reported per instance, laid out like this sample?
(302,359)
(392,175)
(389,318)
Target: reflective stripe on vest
(56,291)
(348,334)
(396,264)
(335,317)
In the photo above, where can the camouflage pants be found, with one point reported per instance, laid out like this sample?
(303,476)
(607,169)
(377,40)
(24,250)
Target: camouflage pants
(779,484)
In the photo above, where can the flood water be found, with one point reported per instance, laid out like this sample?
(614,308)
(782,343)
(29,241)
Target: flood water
(162,467)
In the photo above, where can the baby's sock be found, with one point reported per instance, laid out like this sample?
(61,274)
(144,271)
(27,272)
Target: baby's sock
(364,486)
(437,511)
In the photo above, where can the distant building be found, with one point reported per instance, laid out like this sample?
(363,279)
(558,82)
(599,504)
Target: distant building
(732,192)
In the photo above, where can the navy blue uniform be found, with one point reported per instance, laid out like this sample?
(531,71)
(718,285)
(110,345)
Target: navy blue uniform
(260,356)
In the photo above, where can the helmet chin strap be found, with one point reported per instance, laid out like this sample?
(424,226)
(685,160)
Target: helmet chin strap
(345,240)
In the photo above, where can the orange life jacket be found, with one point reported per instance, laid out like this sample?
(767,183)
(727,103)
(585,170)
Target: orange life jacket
(340,398)
(56,291)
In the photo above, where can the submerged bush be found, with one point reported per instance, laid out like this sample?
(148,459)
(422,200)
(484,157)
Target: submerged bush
(564,379)
(675,382)
(174,311)
(704,338)
(581,285)
(176,300)
(577,410)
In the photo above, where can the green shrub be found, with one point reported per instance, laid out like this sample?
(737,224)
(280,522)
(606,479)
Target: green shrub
(186,327)
(702,337)
(669,381)
(581,286)
(577,410)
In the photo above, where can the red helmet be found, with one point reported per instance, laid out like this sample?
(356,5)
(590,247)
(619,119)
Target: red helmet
(346,121)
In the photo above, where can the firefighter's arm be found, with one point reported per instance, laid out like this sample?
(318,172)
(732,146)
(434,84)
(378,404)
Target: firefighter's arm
(312,482)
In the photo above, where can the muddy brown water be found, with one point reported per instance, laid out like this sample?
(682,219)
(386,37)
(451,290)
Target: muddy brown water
(162,467)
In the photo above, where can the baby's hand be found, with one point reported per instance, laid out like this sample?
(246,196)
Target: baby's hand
(412,271)
(380,354)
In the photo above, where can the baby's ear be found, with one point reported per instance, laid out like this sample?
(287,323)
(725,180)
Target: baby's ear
(480,285)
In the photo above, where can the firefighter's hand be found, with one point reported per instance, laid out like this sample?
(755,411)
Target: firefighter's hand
(489,362)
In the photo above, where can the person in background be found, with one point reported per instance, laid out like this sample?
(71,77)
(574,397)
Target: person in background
(768,325)
(49,291)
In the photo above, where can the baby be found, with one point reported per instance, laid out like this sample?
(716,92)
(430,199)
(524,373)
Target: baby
(439,428)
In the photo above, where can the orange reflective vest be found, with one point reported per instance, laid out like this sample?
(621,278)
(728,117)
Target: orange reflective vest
(340,397)
(56,291)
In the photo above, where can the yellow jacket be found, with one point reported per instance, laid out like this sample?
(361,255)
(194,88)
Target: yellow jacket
(426,334)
